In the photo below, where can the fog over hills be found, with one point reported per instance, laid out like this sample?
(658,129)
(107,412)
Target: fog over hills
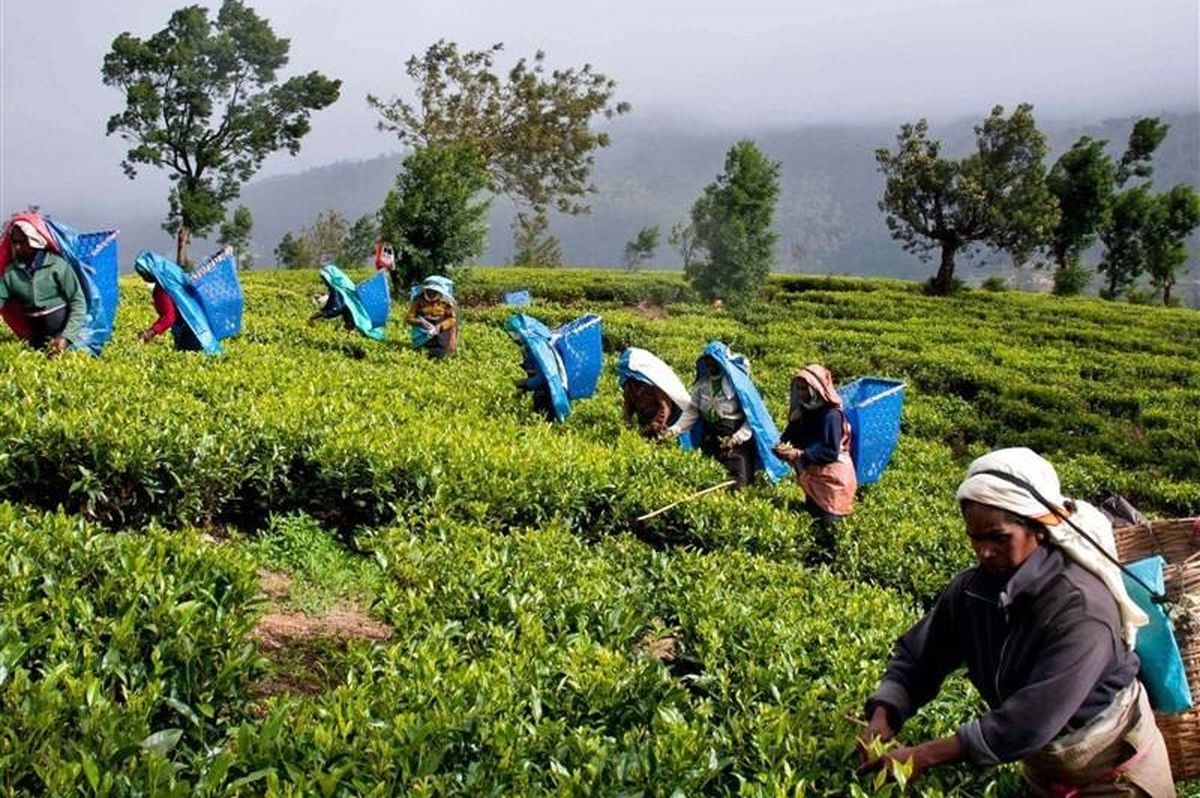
(827,216)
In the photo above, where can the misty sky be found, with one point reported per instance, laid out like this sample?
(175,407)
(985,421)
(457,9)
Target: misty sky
(740,66)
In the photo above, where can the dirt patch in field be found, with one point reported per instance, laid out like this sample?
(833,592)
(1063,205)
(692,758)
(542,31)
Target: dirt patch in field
(304,649)
(342,624)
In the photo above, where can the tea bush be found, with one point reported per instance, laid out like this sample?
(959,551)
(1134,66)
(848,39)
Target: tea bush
(123,657)
(505,552)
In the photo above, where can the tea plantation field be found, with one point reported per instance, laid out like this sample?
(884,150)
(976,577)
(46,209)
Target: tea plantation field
(318,565)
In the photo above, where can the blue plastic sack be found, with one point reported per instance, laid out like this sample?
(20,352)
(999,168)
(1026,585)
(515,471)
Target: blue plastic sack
(192,331)
(376,297)
(215,285)
(1162,670)
(873,406)
(521,298)
(580,345)
(94,258)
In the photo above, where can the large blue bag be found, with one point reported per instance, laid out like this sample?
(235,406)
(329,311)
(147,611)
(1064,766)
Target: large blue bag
(376,297)
(94,258)
(1162,670)
(535,337)
(215,285)
(873,406)
(192,331)
(580,345)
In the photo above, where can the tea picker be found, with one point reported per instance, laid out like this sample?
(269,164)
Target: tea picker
(208,303)
(363,307)
(651,392)
(58,288)
(561,365)
(1046,630)
(727,419)
(433,317)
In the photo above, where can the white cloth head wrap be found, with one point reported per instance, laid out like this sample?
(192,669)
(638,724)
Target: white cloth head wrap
(1027,465)
(35,239)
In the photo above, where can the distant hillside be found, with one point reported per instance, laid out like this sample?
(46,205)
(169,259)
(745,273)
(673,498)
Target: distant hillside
(828,219)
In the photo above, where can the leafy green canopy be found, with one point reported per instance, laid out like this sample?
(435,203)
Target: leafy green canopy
(531,127)
(235,233)
(434,216)
(996,196)
(641,248)
(732,224)
(203,101)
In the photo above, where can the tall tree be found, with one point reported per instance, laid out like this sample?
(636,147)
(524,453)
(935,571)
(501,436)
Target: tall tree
(293,253)
(235,233)
(532,128)
(1173,216)
(203,101)
(1124,257)
(325,238)
(1082,182)
(435,217)
(683,238)
(1144,139)
(996,196)
(534,246)
(1147,232)
(641,248)
(732,221)
(359,243)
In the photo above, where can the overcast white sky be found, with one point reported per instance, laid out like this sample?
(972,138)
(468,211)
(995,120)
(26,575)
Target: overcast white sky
(738,65)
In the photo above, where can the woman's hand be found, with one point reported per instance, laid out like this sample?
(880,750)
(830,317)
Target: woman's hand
(918,759)
(57,346)
(878,728)
(911,758)
(148,336)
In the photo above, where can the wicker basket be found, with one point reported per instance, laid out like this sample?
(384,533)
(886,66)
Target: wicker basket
(1178,541)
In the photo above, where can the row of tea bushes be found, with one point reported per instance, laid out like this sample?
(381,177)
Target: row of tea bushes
(124,658)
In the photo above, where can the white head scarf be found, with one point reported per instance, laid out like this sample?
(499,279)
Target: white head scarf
(1027,465)
(35,239)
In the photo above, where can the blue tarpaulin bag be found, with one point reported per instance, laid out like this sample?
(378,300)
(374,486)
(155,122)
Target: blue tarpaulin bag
(376,297)
(519,298)
(535,338)
(215,285)
(191,331)
(1162,670)
(580,344)
(873,406)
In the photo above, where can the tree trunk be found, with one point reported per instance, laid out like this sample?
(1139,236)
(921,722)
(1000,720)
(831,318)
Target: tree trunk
(1167,291)
(945,274)
(182,236)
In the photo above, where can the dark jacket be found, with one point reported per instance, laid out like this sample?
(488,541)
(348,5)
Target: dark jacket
(818,433)
(1044,651)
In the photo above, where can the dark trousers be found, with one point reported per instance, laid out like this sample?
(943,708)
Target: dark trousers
(824,528)
(738,460)
(44,328)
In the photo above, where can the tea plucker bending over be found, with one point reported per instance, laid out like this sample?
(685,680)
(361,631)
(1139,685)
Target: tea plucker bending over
(46,287)
(1045,629)
(727,431)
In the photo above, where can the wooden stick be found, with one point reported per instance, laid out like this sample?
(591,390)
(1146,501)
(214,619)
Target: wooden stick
(695,495)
